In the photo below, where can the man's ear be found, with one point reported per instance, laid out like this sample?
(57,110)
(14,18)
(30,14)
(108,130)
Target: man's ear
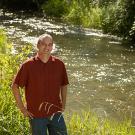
(38,44)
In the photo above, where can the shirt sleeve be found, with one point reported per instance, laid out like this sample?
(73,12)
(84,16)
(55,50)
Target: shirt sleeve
(64,77)
(21,77)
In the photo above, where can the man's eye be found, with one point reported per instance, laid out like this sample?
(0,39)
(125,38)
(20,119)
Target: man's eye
(43,44)
(50,45)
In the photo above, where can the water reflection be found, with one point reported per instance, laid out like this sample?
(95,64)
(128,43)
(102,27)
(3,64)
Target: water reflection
(101,70)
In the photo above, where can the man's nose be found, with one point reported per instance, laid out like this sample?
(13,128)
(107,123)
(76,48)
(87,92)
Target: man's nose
(47,47)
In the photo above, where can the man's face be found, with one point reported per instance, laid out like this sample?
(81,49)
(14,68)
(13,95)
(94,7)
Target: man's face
(45,46)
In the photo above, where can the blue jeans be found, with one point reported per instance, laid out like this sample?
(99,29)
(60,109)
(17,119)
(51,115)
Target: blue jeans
(55,125)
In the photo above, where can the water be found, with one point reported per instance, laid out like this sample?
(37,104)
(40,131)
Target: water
(101,70)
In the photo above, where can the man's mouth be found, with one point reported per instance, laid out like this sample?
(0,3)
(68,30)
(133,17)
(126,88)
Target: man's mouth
(46,50)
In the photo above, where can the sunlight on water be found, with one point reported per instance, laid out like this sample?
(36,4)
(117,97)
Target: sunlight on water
(101,70)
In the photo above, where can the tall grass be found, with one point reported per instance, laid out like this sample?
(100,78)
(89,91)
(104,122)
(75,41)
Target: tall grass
(84,15)
(55,7)
(88,123)
(12,121)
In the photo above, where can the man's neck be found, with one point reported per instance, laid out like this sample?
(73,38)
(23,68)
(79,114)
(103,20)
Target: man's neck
(43,57)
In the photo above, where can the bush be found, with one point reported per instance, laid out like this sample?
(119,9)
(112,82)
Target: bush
(55,8)
(118,18)
(4,45)
(83,13)
(11,121)
(75,14)
(108,18)
(132,33)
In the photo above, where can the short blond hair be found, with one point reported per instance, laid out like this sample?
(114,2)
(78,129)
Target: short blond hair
(42,37)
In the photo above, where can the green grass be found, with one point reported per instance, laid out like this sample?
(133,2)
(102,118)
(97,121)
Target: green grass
(13,123)
(88,123)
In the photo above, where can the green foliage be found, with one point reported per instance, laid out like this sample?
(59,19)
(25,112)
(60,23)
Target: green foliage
(83,13)
(75,14)
(11,121)
(88,123)
(132,33)
(8,60)
(108,18)
(112,16)
(94,18)
(118,18)
(105,3)
(55,8)
(3,42)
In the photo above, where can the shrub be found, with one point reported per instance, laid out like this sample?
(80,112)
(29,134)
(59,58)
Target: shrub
(132,33)
(75,14)
(83,13)
(118,18)
(11,121)
(55,8)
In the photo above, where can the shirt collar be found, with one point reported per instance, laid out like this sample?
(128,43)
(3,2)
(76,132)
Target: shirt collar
(51,59)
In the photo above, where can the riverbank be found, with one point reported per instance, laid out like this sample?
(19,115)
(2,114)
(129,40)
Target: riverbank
(112,17)
(12,121)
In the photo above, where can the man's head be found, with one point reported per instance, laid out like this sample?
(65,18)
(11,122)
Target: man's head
(45,44)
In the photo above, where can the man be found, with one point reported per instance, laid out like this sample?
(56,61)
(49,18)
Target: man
(45,81)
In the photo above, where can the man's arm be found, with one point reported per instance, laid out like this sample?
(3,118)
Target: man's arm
(18,99)
(63,96)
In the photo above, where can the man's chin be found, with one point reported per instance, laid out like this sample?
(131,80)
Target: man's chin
(46,53)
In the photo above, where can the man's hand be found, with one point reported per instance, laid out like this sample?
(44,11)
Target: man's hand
(26,113)
(19,102)
(63,107)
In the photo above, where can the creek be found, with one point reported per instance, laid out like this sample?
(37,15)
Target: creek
(101,69)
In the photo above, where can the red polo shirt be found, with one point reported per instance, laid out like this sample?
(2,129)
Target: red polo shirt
(42,82)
